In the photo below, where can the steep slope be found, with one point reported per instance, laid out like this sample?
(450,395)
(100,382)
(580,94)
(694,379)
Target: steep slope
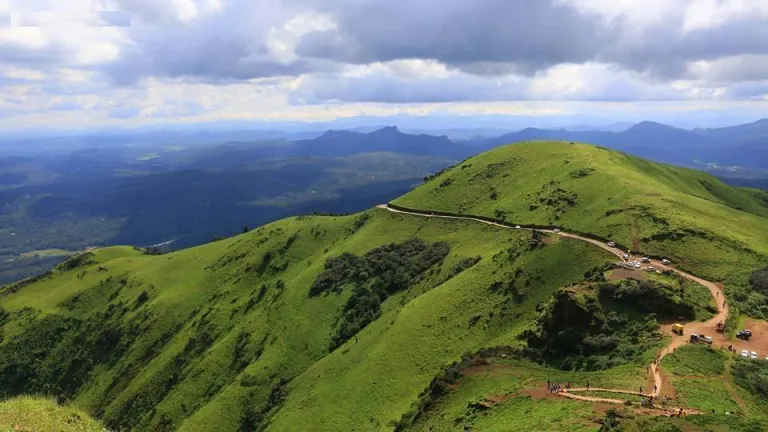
(688,216)
(207,338)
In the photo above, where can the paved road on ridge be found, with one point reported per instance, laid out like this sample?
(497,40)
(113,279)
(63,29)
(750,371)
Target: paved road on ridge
(707,327)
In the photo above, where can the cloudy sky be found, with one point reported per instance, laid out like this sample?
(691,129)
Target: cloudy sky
(90,63)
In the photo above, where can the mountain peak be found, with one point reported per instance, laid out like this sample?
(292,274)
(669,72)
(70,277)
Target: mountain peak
(387,130)
(650,126)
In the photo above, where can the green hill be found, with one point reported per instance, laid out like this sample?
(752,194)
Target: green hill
(691,217)
(372,321)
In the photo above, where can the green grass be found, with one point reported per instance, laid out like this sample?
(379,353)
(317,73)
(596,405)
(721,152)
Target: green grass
(695,360)
(708,395)
(180,350)
(526,413)
(25,413)
(225,337)
(691,217)
(510,379)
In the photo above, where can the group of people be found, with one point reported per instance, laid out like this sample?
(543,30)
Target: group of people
(559,388)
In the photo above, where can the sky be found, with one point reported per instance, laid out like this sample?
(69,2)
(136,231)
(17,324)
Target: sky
(96,63)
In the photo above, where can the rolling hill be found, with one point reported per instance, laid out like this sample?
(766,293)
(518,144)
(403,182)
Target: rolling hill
(387,321)
(742,145)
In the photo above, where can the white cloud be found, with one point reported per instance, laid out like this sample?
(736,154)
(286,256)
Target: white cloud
(137,61)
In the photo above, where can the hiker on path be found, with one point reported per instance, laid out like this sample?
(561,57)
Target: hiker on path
(548,385)
(587,385)
(641,389)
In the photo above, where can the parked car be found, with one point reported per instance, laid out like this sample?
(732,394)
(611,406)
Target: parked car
(612,244)
(626,256)
(744,334)
(753,355)
(706,339)
(557,230)
(518,226)
(637,265)
(694,337)
(666,261)
(646,260)
(744,353)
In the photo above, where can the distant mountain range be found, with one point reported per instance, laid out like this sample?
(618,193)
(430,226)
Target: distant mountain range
(744,145)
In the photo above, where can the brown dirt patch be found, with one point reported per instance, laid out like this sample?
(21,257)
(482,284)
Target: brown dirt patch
(547,239)
(759,341)
(625,273)
(537,393)
(497,399)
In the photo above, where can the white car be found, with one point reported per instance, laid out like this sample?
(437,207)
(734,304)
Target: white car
(646,260)
(744,353)
(612,244)
(753,355)
(651,268)
(517,227)
(557,230)
(626,256)
(666,261)
(637,265)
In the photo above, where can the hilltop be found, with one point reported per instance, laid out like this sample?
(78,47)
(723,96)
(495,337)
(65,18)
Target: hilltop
(688,216)
(382,321)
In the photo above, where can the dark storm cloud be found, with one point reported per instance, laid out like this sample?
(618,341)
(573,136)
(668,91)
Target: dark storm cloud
(484,37)
(229,44)
(479,37)
(665,49)
(208,57)
(496,37)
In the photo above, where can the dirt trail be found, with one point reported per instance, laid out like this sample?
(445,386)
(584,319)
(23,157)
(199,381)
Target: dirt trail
(707,327)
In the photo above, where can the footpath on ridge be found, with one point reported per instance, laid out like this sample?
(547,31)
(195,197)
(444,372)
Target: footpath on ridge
(707,327)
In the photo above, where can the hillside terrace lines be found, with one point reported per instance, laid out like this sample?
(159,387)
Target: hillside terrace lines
(693,327)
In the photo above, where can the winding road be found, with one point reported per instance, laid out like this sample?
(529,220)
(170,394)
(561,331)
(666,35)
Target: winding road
(707,327)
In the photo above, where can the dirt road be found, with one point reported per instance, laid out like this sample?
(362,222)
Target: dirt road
(707,327)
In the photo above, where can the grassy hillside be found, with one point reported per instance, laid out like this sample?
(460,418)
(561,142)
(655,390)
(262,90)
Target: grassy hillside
(375,321)
(207,338)
(691,217)
(39,414)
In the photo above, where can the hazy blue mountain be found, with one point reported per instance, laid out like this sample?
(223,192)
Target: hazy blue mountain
(744,145)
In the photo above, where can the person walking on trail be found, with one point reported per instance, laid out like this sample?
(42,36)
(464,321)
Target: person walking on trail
(587,385)
(641,389)
(654,388)
(548,385)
